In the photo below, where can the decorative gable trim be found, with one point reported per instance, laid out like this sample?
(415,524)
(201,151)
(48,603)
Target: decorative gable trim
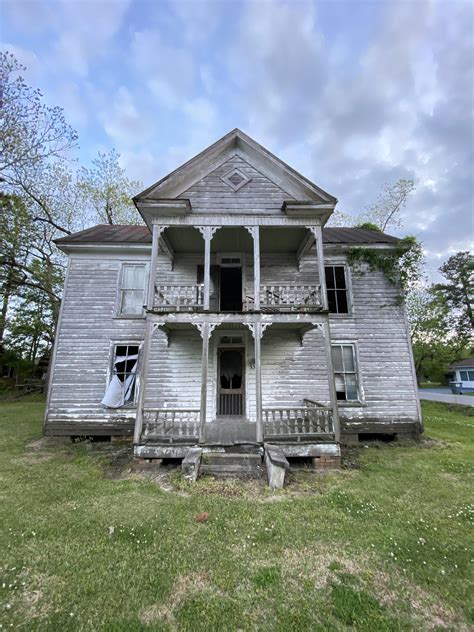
(235,179)
(236,142)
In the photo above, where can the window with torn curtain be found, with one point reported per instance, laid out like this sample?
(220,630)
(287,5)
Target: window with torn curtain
(132,289)
(345,372)
(121,390)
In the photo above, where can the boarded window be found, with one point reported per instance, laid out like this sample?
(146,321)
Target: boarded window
(122,387)
(132,289)
(336,289)
(345,372)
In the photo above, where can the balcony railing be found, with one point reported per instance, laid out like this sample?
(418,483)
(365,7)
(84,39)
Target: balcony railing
(303,422)
(287,298)
(179,297)
(170,425)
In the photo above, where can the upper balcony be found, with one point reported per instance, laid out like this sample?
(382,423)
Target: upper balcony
(237,269)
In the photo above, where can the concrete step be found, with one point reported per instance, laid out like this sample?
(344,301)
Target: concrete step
(231,458)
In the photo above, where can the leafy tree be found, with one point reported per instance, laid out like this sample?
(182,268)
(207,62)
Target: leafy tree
(108,191)
(458,292)
(30,131)
(385,212)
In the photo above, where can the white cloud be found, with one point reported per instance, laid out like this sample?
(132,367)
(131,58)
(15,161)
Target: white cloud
(124,122)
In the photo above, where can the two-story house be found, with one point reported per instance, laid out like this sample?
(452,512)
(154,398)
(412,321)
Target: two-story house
(230,318)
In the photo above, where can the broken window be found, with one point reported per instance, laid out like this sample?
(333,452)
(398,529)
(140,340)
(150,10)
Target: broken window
(336,287)
(345,372)
(122,387)
(132,289)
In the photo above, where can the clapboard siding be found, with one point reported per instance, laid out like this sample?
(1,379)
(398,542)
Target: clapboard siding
(377,327)
(260,195)
(86,333)
(291,370)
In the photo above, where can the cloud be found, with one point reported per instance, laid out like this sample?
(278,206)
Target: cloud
(123,121)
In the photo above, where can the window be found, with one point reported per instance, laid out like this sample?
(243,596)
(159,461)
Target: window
(467,376)
(122,387)
(132,289)
(345,372)
(336,289)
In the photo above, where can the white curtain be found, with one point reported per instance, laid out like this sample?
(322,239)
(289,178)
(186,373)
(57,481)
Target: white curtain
(117,391)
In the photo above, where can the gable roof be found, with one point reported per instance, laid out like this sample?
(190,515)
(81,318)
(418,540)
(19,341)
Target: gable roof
(125,234)
(235,142)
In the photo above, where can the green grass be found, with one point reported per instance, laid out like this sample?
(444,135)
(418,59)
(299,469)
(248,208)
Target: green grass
(86,545)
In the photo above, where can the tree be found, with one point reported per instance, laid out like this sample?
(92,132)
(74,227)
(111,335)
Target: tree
(385,212)
(108,191)
(458,293)
(30,131)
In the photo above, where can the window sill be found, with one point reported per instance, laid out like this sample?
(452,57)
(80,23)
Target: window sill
(355,404)
(335,315)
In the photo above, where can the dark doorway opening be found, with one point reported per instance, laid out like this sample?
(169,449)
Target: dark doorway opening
(231,382)
(231,289)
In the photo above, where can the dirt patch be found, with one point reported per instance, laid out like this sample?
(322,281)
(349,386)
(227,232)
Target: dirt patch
(186,586)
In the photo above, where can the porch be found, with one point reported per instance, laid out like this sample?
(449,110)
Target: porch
(181,426)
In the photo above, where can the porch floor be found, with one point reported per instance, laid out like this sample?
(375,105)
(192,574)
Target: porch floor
(229,431)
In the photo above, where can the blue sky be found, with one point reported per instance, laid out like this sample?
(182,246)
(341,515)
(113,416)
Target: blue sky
(352,94)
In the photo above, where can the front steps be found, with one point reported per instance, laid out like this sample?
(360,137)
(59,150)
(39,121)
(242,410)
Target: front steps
(223,464)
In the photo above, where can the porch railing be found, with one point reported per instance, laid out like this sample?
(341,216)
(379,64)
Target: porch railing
(299,422)
(287,298)
(170,424)
(179,297)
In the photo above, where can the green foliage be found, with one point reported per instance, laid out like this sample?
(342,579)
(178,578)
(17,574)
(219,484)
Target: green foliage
(400,265)
(369,226)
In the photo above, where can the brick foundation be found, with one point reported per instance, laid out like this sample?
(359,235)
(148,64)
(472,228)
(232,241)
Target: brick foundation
(326,462)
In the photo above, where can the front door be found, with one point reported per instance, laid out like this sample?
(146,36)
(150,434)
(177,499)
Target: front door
(230,380)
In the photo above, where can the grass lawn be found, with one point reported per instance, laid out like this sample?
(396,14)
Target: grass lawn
(88,544)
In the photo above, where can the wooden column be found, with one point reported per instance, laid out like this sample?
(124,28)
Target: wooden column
(256,266)
(157,230)
(142,379)
(205,330)
(258,380)
(318,235)
(332,385)
(207,232)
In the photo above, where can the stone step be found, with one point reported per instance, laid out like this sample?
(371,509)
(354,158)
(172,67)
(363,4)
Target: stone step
(231,458)
(232,470)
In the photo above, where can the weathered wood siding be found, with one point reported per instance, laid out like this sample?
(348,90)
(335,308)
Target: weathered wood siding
(259,196)
(377,327)
(87,331)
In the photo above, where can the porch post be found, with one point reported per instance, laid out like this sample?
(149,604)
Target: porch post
(207,232)
(318,235)
(332,385)
(257,334)
(157,230)
(142,379)
(256,266)
(205,330)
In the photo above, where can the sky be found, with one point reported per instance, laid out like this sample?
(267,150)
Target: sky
(351,94)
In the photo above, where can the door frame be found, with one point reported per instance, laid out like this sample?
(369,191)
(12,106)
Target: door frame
(248,369)
(219,351)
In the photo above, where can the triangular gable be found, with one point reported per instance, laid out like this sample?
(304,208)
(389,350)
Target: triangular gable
(236,143)
(237,187)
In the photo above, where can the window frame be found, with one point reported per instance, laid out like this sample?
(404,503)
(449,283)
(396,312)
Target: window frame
(342,263)
(110,367)
(118,298)
(360,401)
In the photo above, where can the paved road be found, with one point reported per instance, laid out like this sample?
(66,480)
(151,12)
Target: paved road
(441,394)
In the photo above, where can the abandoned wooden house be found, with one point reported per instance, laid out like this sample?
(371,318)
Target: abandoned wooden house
(231,322)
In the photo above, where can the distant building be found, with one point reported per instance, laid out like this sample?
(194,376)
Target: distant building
(462,376)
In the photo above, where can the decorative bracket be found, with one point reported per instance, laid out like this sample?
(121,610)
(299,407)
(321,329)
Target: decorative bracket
(200,327)
(208,232)
(263,327)
(252,230)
